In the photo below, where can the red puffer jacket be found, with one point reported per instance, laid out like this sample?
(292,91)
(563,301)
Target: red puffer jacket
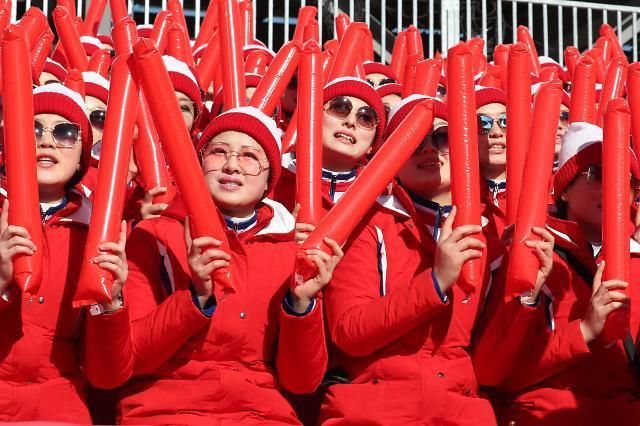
(404,351)
(195,366)
(48,349)
(537,359)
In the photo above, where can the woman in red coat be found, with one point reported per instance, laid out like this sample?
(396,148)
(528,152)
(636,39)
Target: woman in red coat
(49,351)
(206,355)
(544,356)
(352,128)
(400,325)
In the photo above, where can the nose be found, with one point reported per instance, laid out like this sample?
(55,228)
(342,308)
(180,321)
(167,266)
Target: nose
(46,140)
(350,120)
(232,166)
(496,131)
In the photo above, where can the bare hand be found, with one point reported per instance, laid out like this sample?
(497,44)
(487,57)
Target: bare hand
(14,240)
(454,248)
(203,259)
(544,252)
(604,300)
(113,258)
(303,293)
(150,210)
(302,229)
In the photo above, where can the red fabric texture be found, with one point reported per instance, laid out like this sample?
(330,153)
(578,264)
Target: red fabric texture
(192,369)
(48,349)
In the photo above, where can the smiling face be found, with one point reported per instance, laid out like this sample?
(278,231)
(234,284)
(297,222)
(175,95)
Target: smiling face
(345,142)
(235,193)
(428,172)
(492,146)
(55,165)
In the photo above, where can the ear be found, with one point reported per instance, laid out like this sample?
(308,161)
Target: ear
(563,197)
(369,150)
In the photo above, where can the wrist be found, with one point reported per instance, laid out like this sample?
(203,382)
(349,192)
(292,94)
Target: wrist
(587,334)
(300,304)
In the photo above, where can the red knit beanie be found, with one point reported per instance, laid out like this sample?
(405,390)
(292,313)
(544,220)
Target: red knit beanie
(489,95)
(404,107)
(184,81)
(379,68)
(144,30)
(252,122)
(582,148)
(358,88)
(90,44)
(96,85)
(389,89)
(57,99)
(55,68)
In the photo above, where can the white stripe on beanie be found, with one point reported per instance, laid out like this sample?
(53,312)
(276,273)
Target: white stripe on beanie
(579,136)
(174,65)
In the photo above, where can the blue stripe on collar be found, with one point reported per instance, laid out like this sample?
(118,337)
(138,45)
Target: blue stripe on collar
(242,225)
(429,204)
(326,174)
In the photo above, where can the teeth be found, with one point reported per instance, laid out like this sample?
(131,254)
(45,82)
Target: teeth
(346,137)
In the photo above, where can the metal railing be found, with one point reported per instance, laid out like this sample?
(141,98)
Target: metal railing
(554,24)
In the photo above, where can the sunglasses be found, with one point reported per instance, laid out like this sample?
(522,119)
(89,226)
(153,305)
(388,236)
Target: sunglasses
(249,159)
(97,118)
(485,123)
(340,108)
(564,117)
(65,135)
(439,140)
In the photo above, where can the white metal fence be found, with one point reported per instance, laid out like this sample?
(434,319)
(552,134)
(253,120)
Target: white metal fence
(554,24)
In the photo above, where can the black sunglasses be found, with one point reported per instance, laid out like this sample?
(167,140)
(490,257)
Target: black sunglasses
(97,118)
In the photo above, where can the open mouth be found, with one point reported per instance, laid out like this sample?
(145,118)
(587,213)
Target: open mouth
(45,160)
(497,148)
(345,138)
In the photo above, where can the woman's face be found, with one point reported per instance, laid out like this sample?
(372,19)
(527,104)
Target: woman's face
(188,109)
(389,101)
(46,78)
(584,198)
(563,124)
(376,79)
(492,143)
(97,113)
(345,139)
(57,161)
(240,182)
(428,171)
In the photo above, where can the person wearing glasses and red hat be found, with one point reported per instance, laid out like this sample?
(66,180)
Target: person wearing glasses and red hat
(204,354)
(49,349)
(544,356)
(400,326)
(352,126)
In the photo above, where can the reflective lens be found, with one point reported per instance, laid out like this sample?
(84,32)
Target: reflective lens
(485,123)
(340,108)
(219,154)
(65,135)
(564,117)
(97,118)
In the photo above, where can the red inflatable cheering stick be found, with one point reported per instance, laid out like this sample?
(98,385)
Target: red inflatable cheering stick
(571,58)
(351,208)
(94,284)
(93,18)
(160,32)
(427,77)
(518,125)
(20,156)
(149,156)
(348,55)
(524,36)
(309,146)
(615,209)
(232,59)
(633,97)
(70,39)
(208,26)
(276,79)
(534,196)
(463,149)
(613,86)
(39,55)
(177,145)
(583,92)
(306,14)
(399,55)
(209,63)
